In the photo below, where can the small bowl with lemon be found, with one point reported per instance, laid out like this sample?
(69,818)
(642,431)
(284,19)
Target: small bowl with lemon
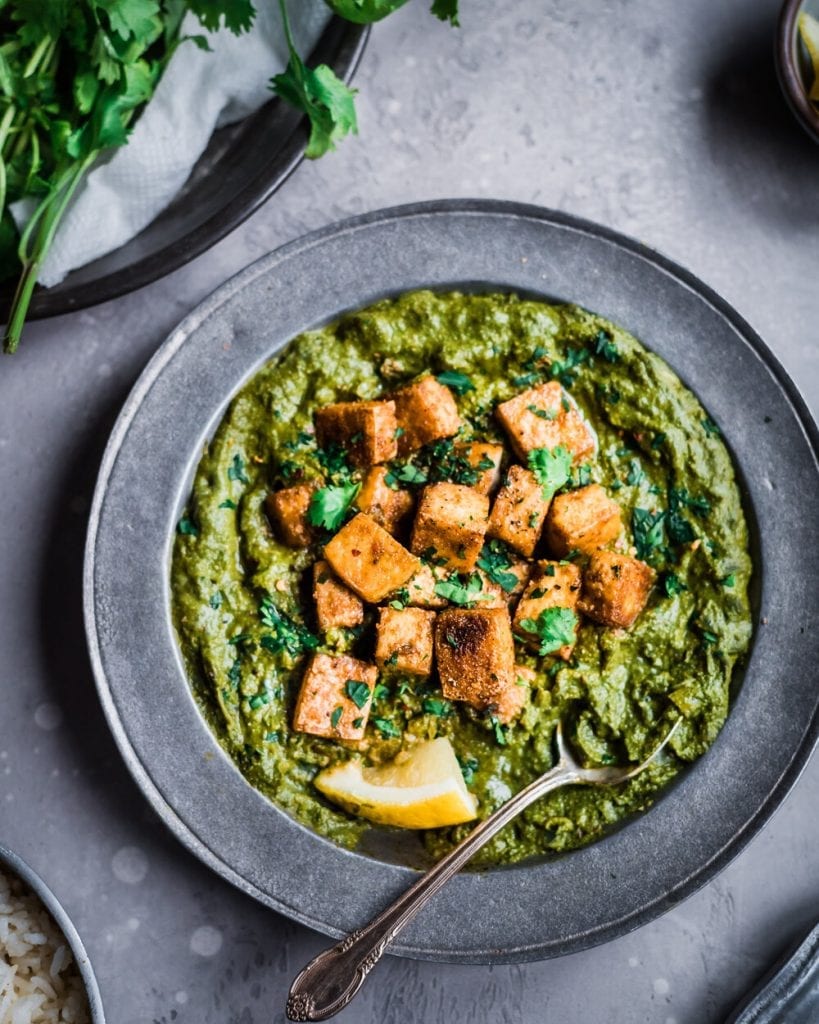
(797,61)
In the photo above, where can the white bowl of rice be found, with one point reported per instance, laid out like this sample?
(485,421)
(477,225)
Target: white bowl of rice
(45,974)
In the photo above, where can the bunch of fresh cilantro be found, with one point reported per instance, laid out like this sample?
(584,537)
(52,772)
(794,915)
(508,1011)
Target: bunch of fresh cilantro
(74,74)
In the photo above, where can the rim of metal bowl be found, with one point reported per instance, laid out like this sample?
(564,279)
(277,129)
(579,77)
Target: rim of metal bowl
(19,867)
(786,53)
(342,44)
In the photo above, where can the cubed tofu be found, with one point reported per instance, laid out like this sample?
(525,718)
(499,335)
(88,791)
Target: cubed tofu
(475,653)
(486,458)
(552,586)
(404,640)
(390,508)
(336,605)
(369,560)
(419,592)
(515,697)
(539,418)
(582,520)
(324,706)
(615,588)
(452,519)
(365,431)
(426,411)
(499,596)
(519,511)
(287,511)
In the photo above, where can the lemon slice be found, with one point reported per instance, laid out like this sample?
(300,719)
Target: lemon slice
(809,31)
(422,788)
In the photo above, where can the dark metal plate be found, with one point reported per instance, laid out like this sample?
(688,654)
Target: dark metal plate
(530,911)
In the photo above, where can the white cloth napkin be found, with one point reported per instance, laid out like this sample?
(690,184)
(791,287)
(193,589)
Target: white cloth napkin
(197,93)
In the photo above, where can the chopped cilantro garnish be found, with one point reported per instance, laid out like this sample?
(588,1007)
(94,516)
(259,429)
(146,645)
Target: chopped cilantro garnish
(388,729)
(329,505)
(216,600)
(499,730)
(228,504)
(581,478)
(710,427)
(400,599)
(335,717)
(566,370)
(673,585)
(236,470)
(333,460)
(187,527)
(495,561)
(358,692)
(657,441)
(357,723)
(411,474)
(288,635)
(272,737)
(635,473)
(605,347)
(648,528)
(459,382)
(461,591)
(235,673)
(258,700)
(542,414)
(709,637)
(525,380)
(554,627)
(469,766)
(437,706)
(729,580)
(551,466)
(381,691)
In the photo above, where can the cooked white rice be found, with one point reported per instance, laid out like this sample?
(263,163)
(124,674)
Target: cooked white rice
(39,981)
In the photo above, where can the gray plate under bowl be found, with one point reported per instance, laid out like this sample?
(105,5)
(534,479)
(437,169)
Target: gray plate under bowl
(534,910)
(15,865)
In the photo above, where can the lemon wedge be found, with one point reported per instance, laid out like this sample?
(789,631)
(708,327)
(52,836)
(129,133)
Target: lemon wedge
(422,788)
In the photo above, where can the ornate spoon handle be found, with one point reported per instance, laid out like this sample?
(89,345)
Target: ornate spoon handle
(329,982)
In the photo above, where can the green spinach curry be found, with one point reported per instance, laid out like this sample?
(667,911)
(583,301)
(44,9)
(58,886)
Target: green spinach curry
(242,600)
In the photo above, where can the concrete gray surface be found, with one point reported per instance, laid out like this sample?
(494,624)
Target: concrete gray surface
(660,119)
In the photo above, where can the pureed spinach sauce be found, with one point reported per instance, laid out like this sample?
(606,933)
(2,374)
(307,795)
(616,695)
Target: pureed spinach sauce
(658,451)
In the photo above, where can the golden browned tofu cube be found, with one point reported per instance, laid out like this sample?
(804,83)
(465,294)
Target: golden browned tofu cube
(502,596)
(582,520)
(388,507)
(539,418)
(364,430)
(419,592)
(450,524)
(513,699)
(552,586)
(404,640)
(426,411)
(368,559)
(615,588)
(336,605)
(335,697)
(475,653)
(486,458)
(287,510)
(519,511)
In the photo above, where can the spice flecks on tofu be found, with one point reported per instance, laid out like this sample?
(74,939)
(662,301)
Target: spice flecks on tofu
(389,507)
(287,510)
(426,411)
(582,520)
(451,524)
(543,417)
(366,431)
(519,511)
(336,605)
(369,560)
(404,640)
(475,654)
(615,589)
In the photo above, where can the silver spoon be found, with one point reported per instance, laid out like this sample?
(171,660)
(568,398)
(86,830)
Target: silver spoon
(329,982)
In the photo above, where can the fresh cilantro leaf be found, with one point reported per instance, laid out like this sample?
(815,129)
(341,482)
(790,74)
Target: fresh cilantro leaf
(446,10)
(542,414)
(132,18)
(411,474)
(358,692)
(552,468)
(710,427)
(437,706)
(228,504)
(673,585)
(187,527)
(329,505)
(333,460)
(236,470)
(335,717)
(320,94)
(459,382)
(216,600)
(581,477)
(460,591)
(554,627)
(499,730)
(287,635)
(388,729)
(258,700)
(605,347)
(566,370)
(526,380)
(635,473)
(364,12)
(237,15)
(648,529)
(469,766)
(657,441)
(729,580)
(494,559)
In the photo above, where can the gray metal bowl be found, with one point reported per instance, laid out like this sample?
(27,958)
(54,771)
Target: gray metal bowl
(15,865)
(791,64)
(537,909)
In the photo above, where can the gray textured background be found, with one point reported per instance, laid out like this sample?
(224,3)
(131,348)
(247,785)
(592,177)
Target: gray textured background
(658,118)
